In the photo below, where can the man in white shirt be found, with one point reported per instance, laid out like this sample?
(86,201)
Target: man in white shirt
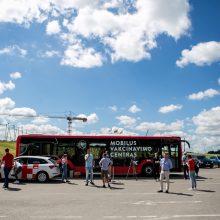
(89,163)
(17,170)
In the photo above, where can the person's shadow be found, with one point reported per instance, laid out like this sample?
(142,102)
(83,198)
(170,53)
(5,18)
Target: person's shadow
(13,189)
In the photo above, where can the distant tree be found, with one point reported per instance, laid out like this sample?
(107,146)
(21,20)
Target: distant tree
(214,152)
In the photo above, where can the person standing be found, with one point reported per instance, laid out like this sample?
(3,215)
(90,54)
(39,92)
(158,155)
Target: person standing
(104,163)
(165,167)
(17,170)
(191,166)
(8,161)
(156,166)
(64,163)
(185,167)
(89,163)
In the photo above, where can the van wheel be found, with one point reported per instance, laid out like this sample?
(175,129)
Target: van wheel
(147,170)
(42,177)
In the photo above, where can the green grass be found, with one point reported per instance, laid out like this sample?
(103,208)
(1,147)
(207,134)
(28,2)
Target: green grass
(7,144)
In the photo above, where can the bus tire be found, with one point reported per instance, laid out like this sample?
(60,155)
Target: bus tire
(147,170)
(42,177)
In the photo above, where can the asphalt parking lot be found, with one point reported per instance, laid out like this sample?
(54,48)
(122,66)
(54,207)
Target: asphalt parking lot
(127,199)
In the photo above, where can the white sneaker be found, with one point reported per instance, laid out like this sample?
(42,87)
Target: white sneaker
(16,182)
(190,189)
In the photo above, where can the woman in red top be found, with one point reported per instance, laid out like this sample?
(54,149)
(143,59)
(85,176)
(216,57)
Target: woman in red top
(191,166)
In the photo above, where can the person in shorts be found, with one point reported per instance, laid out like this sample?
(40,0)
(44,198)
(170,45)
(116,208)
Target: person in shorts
(104,163)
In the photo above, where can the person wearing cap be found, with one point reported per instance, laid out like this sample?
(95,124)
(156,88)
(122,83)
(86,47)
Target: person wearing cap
(185,167)
(8,161)
(165,167)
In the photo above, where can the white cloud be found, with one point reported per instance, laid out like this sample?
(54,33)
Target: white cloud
(201,54)
(24,111)
(42,129)
(170,108)
(41,120)
(113,108)
(51,53)
(131,31)
(53,27)
(77,56)
(208,122)
(91,119)
(160,127)
(15,75)
(6,86)
(126,120)
(209,93)
(6,103)
(116,131)
(134,109)
(13,50)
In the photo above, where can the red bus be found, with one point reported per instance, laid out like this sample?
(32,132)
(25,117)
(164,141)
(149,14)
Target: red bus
(121,149)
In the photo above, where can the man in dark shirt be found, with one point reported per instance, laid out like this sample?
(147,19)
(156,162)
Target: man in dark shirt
(8,162)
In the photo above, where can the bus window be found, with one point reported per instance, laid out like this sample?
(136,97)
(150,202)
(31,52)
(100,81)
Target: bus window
(48,149)
(30,149)
(174,155)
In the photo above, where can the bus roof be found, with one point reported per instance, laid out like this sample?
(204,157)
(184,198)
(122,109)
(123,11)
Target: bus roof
(97,136)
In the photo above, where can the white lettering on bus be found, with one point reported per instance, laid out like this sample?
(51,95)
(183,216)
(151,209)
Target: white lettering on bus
(123,154)
(123,143)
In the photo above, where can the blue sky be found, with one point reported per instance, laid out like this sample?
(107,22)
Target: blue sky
(131,67)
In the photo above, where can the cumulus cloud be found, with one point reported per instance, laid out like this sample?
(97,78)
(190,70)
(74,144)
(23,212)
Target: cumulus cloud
(53,27)
(169,108)
(77,56)
(130,34)
(24,111)
(126,120)
(13,50)
(134,109)
(208,122)
(91,119)
(6,86)
(41,120)
(160,127)
(116,131)
(42,129)
(15,75)
(6,103)
(209,93)
(201,54)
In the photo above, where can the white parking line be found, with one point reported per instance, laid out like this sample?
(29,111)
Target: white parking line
(56,217)
(195,216)
(162,202)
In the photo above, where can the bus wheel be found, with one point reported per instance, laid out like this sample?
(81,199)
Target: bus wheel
(42,177)
(147,170)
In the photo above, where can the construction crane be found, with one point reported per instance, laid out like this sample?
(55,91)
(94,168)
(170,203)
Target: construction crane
(68,118)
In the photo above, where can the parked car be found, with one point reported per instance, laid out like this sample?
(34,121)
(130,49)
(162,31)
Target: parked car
(216,160)
(36,168)
(204,161)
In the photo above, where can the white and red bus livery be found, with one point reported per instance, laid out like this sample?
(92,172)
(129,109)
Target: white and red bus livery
(121,149)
